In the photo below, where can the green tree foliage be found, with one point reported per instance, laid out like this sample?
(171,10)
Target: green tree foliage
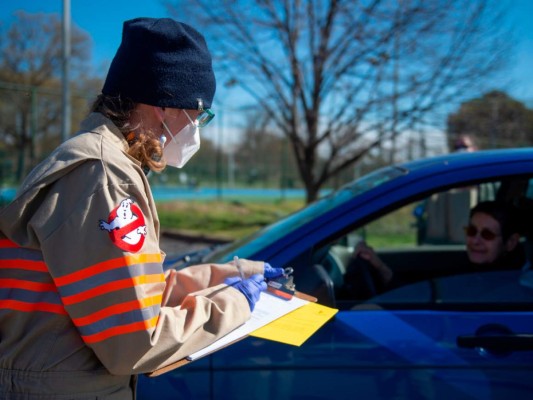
(264,158)
(30,86)
(494,120)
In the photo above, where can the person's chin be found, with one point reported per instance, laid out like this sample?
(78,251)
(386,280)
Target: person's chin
(479,259)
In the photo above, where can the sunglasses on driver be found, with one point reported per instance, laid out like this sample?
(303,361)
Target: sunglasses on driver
(486,234)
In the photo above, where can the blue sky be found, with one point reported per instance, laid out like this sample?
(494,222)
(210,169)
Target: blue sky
(102,20)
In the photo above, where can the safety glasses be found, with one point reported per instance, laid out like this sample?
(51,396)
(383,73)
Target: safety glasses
(205,116)
(486,234)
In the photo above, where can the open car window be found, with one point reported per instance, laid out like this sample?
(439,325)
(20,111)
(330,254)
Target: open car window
(423,243)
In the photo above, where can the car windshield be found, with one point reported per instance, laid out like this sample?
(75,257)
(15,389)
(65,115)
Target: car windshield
(271,233)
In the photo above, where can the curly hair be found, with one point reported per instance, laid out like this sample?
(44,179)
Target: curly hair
(144,145)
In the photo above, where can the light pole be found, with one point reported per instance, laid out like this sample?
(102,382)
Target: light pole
(65,131)
(219,154)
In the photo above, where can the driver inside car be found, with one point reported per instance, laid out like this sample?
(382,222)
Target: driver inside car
(492,237)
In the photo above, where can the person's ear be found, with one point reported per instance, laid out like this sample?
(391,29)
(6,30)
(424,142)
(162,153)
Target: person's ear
(512,242)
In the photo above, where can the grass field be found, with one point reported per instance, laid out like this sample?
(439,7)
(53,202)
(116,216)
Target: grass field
(224,219)
(230,220)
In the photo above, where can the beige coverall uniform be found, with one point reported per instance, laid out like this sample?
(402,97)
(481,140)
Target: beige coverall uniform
(84,302)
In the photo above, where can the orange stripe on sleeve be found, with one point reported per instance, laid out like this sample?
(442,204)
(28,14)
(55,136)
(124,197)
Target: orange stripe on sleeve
(27,285)
(118,309)
(6,243)
(30,307)
(143,258)
(112,287)
(107,266)
(121,330)
(38,266)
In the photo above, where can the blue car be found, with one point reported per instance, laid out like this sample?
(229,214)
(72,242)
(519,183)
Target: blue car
(442,334)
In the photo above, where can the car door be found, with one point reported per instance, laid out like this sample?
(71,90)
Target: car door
(445,335)
(371,353)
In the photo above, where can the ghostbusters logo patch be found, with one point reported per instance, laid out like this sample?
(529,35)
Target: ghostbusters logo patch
(126,226)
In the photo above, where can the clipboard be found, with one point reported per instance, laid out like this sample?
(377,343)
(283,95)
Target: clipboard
(186,361)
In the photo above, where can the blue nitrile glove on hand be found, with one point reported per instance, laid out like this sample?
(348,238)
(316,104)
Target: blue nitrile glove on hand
(251,287)
(271,272)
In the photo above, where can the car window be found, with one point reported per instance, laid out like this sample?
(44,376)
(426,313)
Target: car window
(438,219)
(423,243)
(394,230)
(529,190)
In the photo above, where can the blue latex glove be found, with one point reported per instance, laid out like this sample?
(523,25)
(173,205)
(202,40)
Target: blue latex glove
(271,272)
(251,287)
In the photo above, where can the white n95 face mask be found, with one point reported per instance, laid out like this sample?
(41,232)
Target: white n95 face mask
(183,145)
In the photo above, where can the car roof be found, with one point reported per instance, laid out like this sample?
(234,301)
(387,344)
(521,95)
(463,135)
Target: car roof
(470,158)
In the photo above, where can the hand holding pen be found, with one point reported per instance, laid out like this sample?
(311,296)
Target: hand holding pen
(237,263)
(251,288)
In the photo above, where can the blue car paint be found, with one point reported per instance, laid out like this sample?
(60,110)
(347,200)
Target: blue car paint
(367,347)
(369,354)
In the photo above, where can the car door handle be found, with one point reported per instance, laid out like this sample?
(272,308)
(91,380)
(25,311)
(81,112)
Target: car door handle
(497,343)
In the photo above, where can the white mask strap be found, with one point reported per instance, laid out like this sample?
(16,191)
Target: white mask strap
(189,118)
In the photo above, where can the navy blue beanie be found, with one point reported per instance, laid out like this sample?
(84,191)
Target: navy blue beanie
(163,63)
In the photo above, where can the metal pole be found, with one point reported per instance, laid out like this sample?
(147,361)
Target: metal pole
(33,125)
(284,161)
(65,131)
(219,154)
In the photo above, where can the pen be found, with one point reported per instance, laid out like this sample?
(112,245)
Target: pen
(238,265)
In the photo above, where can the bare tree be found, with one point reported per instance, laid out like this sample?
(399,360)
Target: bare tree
(339,78)
(30,95)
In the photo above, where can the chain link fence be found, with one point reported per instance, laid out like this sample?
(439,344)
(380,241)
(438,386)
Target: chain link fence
(30,128)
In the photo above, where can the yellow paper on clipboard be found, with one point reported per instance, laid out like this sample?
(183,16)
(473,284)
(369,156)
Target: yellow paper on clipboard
(297,326)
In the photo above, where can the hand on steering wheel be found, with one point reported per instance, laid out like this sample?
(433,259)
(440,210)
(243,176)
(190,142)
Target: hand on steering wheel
(359,280)
(366,274)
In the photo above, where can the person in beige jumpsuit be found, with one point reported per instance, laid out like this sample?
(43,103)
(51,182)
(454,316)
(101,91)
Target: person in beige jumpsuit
(85,304)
